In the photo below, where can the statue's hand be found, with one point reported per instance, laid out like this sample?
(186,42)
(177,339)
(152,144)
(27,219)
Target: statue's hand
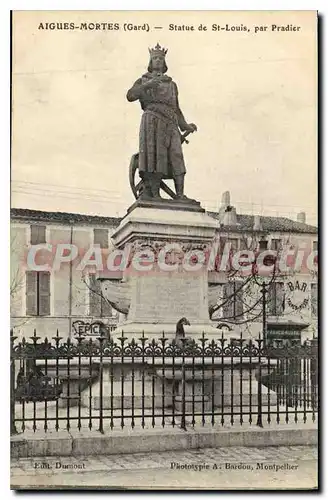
(153,83)
(191,127)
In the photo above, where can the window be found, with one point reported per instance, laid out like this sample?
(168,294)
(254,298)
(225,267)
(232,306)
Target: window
(234,244)
(275,244)
(248,243)
(276,299)
(37,293)
(314,300)
(232,301)
(223,241)
(244,244)
(98,305)
(100,237)
(38,234)
(315,246)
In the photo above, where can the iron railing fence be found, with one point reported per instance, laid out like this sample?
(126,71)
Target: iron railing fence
(114,383)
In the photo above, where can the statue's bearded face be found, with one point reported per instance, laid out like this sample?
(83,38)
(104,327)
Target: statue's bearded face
(157,62)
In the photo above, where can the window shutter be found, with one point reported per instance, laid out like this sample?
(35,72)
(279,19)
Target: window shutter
(271,300)
(94,297)
(234,244)
(223,242)
(244,244)
(31,293)
(239,309)
(100,237)
(38,234)
(44,293)
(280,299)
(34,235)
(275,244)
(276,299)
(228,290)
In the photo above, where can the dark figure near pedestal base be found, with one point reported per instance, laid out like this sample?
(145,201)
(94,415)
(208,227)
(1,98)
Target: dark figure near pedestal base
(180,333)
(160,151)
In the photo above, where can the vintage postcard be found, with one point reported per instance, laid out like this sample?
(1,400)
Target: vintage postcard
(164,250)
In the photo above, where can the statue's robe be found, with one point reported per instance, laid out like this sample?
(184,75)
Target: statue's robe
(160,148)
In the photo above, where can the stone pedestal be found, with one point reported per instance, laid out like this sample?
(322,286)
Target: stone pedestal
(199,386)
(205,388)
(166,270)
(195,391)
(242,390)
(141,388)
(74,381)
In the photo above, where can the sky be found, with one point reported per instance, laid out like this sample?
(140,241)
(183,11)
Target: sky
(251,95)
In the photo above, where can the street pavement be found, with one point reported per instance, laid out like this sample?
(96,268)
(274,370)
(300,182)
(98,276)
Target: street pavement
(232,468)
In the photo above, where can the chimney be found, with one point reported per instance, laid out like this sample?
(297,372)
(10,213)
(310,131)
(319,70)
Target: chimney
(301,217)
(257,223)
(225,199)
(225,202)
(227,213)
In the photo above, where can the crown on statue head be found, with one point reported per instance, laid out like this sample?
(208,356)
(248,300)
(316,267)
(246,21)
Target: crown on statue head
(157,50)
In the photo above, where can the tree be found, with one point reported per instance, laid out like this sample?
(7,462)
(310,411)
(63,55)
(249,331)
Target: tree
(17,281)
(241,302)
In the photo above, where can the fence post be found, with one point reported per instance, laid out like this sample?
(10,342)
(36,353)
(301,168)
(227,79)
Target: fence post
(183,386)
(101,339)
(264,322)
(259,422)
(13,429)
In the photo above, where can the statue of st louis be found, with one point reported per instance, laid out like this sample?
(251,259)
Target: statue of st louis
(160,150)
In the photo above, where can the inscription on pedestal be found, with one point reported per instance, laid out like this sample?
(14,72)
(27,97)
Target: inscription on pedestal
(168,297)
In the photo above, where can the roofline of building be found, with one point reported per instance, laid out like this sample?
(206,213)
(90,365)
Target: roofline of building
(30,215)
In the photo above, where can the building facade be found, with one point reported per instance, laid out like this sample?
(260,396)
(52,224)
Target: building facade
(291,292)
(51,299)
